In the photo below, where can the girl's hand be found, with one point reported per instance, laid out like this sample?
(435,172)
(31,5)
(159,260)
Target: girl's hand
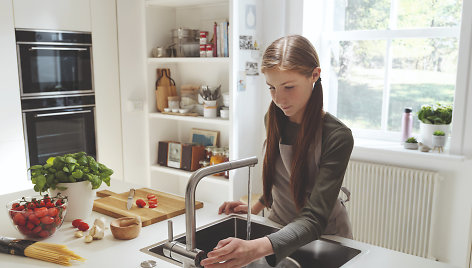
(234,252)
(233,207)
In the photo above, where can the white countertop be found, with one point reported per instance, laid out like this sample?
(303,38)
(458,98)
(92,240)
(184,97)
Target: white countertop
(110,252)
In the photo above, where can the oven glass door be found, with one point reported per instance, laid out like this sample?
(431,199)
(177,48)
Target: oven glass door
(53,69)
(53,133)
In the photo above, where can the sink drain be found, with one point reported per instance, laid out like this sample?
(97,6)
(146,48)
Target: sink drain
(148,264)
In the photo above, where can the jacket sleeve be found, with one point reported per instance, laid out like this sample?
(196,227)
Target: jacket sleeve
(313,218)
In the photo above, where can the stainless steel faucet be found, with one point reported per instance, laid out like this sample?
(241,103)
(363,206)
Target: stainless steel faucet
(188,254)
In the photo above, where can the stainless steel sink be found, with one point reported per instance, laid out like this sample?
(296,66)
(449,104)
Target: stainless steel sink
(320,253)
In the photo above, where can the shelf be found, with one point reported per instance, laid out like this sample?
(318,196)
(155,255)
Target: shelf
(196,119)
(187,174)
(181,3)
(189,60)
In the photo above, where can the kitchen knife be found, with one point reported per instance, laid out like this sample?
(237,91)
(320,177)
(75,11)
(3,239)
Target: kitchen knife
(130,199)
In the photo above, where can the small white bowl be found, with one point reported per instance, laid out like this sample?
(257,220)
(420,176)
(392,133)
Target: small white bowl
(175,110)
(167,110)
(183,111)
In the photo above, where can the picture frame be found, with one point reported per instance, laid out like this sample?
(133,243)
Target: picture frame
(174,154)
(204,137)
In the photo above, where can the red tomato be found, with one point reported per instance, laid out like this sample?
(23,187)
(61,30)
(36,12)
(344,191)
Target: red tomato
(76,222)
(152,205)
(30,226)
(42,204)
(41,212)
(151,196)
(20,208)
(83,226)
(140,203)
(47,220)
(43,233)
(19,219)
(58,221)
(15,205)
(52,212)
(59,203)
(37,229)
(152,201)
(31,205)
(49,205)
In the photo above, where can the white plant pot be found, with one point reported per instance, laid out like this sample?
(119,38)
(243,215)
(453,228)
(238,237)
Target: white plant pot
(427,130)
(438,141)
(80,198)
(410,146)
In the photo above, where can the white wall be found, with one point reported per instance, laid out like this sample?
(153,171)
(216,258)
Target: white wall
(107,86)
(131,30)
(12,148)
(71,15)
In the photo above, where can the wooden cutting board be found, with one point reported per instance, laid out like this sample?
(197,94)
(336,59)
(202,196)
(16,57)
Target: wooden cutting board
(114,205)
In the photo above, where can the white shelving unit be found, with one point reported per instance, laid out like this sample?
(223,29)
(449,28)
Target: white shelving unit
(161,16)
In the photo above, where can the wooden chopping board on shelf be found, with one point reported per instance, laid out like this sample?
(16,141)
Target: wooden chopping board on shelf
(114,205)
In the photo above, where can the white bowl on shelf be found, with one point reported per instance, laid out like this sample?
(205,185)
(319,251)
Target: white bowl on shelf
(167,110)
(184,110)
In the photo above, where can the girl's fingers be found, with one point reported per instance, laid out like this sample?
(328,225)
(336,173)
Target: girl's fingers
(240,208)
(221,208)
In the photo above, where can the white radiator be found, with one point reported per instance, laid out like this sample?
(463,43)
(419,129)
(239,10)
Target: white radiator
(391,206)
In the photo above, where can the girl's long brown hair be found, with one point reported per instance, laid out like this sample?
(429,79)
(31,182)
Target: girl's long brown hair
(292,53)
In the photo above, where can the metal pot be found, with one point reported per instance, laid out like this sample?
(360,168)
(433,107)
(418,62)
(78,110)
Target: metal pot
(182,35)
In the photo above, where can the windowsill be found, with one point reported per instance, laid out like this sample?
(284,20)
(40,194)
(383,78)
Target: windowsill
(387,151)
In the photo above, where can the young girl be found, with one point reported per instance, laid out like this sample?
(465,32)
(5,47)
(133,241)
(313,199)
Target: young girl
(306,155)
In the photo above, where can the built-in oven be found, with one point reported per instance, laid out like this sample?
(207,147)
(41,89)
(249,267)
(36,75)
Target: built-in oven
(58,125)
(57,93)
(54,62)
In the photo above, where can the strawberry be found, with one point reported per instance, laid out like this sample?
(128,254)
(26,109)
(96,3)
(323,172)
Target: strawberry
(140,203)
(83,226)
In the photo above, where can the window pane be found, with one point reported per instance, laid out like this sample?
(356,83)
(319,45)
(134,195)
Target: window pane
(358,69)
(423,72)
(427,13)
(360,14)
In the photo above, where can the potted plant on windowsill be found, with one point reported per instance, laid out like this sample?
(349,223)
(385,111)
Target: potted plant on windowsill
(434,118)
(439,140)
(76,176)
(411,144)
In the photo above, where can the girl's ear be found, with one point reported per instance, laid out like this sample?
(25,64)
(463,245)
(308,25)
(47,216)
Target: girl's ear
(316,74)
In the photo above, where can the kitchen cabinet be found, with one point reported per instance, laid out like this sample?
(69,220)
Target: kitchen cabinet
(72,15)
(12,145)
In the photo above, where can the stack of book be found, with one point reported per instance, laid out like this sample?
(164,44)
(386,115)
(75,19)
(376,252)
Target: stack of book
(220,39)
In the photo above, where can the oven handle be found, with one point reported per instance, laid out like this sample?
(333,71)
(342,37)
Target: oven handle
(58,48)
(63,113)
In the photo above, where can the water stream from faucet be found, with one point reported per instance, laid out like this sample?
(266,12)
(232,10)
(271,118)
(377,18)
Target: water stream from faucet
(249,193)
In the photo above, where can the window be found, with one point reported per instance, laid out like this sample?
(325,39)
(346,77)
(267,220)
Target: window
(385,55)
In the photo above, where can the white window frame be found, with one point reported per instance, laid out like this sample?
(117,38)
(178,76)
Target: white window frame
(315,22)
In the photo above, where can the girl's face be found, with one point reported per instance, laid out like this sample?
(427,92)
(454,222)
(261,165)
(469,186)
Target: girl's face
(291,91)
